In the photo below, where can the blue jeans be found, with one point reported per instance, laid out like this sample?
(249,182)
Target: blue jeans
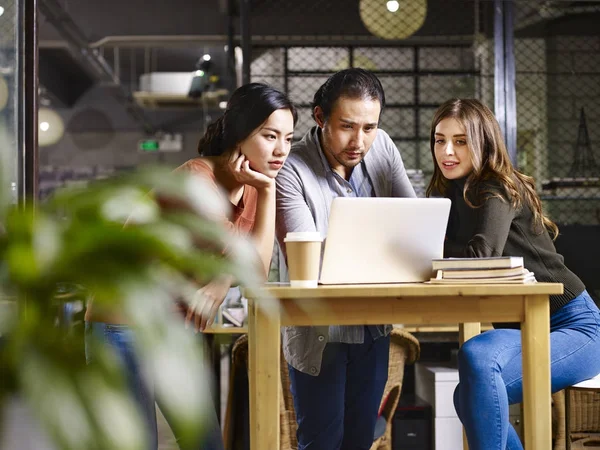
(337,409)
(121,338)
(490,371)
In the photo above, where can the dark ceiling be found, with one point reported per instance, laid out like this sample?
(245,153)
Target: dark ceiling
(99,19)
(208,18)
(137,36)
(269,18)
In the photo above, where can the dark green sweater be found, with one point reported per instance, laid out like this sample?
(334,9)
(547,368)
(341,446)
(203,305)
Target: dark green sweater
(498,229)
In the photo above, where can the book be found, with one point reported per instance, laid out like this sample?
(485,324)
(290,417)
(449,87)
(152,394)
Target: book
(493,262)
(480,273)
(483,281)
(234,316)
(524,278)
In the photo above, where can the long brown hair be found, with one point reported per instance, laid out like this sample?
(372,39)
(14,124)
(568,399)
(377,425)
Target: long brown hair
(490,161)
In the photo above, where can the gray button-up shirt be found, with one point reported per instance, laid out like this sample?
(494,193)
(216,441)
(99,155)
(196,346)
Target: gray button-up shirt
(359,185)
(306,186)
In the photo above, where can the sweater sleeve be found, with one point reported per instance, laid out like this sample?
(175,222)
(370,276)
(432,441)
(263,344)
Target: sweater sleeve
(292,213)
(401,185)
(493,222)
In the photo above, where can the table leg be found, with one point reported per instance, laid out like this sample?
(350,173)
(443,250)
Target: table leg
(264,377)
(213,347)
(465,332)
(535,339)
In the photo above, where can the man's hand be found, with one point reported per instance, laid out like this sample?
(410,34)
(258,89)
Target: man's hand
(244,174)
(206,303)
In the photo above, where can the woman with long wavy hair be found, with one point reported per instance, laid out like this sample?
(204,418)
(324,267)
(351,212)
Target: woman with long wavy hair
(496,211)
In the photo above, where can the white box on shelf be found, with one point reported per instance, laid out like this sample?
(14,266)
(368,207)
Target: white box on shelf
(448,433)
(435,384)
(177,83)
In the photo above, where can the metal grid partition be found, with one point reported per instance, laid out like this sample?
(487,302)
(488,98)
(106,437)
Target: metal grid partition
(451,53)
(557,60)
(557,53)
(416,79)
(419,66)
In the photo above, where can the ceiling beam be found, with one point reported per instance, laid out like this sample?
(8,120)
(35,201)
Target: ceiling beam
(187,41)
(91,59)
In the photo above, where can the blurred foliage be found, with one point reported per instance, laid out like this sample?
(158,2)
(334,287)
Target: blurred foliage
(76,244)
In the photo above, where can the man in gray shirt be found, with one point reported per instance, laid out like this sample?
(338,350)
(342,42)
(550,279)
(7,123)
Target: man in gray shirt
(338,373)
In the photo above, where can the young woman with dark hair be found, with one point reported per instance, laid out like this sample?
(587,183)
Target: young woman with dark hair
(241,154)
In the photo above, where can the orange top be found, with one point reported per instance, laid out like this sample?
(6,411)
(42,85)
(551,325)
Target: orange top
(242,216)
(240,221)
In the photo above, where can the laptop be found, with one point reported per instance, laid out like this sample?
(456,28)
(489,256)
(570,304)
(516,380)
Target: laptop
(383,240)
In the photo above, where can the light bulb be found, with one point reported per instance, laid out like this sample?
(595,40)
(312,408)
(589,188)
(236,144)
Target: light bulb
(393,5)
(206,57)
(1,10)
(51,127)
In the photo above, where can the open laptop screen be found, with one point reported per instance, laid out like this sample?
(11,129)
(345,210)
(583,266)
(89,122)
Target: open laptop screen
(383,240)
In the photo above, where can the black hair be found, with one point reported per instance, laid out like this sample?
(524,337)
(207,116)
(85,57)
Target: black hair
(249,106)
(351,83)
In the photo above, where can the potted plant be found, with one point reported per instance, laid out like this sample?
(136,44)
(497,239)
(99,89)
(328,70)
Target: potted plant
(78,238)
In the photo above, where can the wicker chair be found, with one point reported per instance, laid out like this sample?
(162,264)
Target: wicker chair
(576,416)
(404,349)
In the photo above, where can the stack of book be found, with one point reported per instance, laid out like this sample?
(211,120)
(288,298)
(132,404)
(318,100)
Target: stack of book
(234,317)
(493,270)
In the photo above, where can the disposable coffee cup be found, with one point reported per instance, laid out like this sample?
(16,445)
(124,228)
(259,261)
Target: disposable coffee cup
(303,258)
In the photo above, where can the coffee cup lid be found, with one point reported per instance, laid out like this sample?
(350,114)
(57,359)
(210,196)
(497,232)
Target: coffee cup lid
(303,236)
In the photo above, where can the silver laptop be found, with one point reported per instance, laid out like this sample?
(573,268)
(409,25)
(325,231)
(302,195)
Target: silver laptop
(383,240)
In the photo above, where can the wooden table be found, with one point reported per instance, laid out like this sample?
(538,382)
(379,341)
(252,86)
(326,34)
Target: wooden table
(212,346)
(419,303)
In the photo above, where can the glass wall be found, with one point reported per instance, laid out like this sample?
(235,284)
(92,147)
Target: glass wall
(9,99)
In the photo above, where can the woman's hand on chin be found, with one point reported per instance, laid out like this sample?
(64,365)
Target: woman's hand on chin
(244,174)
